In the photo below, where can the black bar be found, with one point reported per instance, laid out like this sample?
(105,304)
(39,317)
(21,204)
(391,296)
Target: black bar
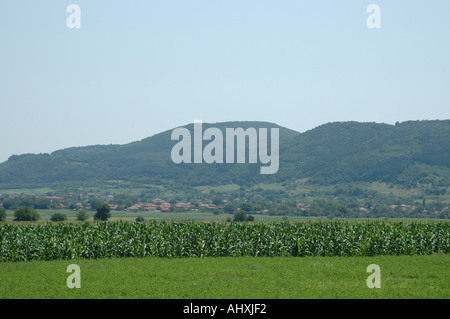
(229,308)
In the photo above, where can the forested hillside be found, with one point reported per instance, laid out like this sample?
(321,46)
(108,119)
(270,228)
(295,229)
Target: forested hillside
(406,153)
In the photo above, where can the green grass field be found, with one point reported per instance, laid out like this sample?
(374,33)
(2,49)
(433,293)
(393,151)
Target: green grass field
(402,277)
(46,214)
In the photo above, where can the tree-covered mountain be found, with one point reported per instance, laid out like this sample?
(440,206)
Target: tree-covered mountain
(406,153)
(145,161)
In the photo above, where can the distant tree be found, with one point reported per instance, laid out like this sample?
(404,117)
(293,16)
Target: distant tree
(95,203)
(2,214)
(228,209)
(246,207)
(240,216)
(41,203)
(71,205)
(82,215)
(58,217)
(217,201)
(139,219)
(25,213)
(9,204)
(103,212)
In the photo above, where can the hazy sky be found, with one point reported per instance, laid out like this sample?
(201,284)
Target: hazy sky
(136,68)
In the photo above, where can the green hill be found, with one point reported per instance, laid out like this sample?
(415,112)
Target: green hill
(406,153)
(145,161)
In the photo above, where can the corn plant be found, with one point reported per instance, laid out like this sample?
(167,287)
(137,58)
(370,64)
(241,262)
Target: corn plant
(194,239)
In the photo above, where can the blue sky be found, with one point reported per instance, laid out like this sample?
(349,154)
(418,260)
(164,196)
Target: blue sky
(136,68)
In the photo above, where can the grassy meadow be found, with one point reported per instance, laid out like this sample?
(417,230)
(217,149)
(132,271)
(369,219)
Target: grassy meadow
(402,277)
(46,214)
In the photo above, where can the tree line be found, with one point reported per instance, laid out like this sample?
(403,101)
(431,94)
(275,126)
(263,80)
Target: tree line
(26,213)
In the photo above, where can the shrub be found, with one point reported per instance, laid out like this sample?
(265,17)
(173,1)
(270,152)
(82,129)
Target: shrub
(25,213)
(82,215)
(2,214)
(58,217)
(140,219)
(242,216)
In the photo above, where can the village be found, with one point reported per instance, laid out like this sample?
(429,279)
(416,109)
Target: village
(89,201)
(217,205)
(160,205)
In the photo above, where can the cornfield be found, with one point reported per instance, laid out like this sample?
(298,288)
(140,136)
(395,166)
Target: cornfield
(193,239)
